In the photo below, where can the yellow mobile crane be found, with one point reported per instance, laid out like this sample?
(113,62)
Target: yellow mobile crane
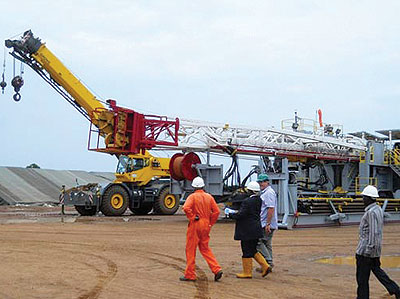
(142,180)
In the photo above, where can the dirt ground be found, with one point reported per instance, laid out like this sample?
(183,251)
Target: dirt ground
(44,255)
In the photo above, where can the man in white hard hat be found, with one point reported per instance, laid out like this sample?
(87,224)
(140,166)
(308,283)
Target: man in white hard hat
(369,247)
(202,211)
(248,230)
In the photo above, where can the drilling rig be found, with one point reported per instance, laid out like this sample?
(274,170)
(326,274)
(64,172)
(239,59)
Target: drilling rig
(316,169)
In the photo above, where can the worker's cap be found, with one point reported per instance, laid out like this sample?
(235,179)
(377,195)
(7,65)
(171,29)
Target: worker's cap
(262,177)
(198,182)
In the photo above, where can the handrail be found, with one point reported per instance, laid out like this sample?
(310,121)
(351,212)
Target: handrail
(394,157)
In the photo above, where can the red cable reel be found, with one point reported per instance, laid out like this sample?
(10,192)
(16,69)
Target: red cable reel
(182,167)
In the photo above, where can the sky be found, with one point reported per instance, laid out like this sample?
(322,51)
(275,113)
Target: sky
(240,62)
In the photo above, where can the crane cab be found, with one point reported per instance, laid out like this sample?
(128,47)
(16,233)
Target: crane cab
(141,169)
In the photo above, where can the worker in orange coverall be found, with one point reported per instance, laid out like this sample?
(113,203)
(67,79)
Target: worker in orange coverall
(202,211)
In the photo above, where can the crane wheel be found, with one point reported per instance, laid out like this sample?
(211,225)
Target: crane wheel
(166,203)
(115,201)
(84,211)
(144,209)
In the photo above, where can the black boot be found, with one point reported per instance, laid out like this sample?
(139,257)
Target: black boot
(218,275)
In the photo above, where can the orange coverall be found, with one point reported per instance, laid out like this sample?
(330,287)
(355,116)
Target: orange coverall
(203,205)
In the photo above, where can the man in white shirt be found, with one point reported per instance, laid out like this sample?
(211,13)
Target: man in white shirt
(269,216)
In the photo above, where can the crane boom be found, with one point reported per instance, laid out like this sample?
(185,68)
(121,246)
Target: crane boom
(33,52)
(125,131)
(65,78)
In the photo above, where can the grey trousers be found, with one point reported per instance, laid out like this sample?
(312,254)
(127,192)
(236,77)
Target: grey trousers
(264,246)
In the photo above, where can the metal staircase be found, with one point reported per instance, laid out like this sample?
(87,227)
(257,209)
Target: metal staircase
(352,186)
(394,160)
(395,168)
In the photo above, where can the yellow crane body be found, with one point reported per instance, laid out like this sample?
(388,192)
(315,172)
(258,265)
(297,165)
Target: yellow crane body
(142,180)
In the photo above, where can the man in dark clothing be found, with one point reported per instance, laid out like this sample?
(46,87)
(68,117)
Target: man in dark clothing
(369,247)
(248,230)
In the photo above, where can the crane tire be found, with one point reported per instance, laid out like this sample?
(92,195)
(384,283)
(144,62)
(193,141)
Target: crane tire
(115,201)
(166,203)
(83,211)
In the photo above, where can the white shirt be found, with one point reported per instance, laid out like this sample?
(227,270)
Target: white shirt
(268,197)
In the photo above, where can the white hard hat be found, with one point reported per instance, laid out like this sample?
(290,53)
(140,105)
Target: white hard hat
(198,182)
(370,191)
(253,186)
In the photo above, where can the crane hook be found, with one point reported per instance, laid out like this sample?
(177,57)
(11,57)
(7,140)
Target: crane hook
(17,82)
(17,97)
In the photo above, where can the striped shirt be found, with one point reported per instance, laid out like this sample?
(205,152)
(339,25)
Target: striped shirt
(371,229)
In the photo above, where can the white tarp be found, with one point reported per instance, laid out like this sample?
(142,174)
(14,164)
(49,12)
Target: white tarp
(30,186)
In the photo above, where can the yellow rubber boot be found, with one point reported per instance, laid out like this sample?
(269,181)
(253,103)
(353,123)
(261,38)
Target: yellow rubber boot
(266,269)
(247,268)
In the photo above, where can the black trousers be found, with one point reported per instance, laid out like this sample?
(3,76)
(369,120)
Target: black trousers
(364,267)
(249,248)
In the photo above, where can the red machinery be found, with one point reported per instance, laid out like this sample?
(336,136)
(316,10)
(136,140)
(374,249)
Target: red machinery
(138,132)
(182,167)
